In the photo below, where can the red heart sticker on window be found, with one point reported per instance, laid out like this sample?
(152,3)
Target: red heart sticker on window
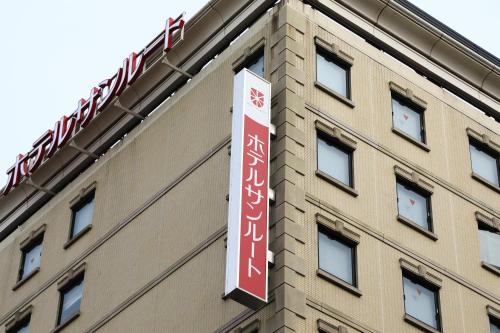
(412,202)
(406,116)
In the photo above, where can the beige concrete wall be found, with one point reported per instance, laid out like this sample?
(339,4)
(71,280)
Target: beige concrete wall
(163,270)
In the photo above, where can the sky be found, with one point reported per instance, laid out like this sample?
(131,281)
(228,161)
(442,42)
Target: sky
(54,51)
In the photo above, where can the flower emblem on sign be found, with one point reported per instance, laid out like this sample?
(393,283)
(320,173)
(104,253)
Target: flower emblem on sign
(256,97)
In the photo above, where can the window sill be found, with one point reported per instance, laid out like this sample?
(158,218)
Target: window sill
(339,282)
(337,183)
(492,268)
(66,323)
(485,182)
(411,139)
(335,94)
(77,236)
(417,227)
(26,278)
(420,324)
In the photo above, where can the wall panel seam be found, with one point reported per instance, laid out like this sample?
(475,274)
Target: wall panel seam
(397,246)
(113,231)
(443,183)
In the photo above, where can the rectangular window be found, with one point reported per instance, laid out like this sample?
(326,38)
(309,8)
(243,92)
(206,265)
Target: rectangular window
(485,163)
(421,301)
(21,327)
(70,299)
(337,256)
(494,325)
(408,118)
(82,215)
(414,204)
(254,63)
(333,73)
(489,240)
(31,256)
(335,160)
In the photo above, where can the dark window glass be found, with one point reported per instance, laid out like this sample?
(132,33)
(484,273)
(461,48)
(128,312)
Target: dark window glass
(254,64)
(484,163)
(489,240)
(70,301)
(31,258)
(421,302)
(494,325)
(408,118)
(414,205)
(22,327)
(335,160)
(336,256)
(333,74)
(82,215)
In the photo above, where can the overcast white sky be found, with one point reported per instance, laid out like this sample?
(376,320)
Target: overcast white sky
(54,51)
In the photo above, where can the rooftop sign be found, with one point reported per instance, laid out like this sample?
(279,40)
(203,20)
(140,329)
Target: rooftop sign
(87,109)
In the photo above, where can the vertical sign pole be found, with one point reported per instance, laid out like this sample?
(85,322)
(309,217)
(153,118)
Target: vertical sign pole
(247,241)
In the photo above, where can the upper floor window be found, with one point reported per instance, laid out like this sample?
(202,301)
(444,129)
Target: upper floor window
(20,322)
(414,205)
(485,163)
(256,63)
(494,325)
(336,256)
(408,118)
(335,160)
(333,73)
(31,253)
(253,62)
(31,258)
(489,240)
(421,301)
(82,214)
(70,299)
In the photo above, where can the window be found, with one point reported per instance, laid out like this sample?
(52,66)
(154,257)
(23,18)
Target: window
(336,256)
(494,325)
(21,328)
(31,259)
(20,321)
(334,160)
(485,163)
(489,240)
(82,215)
(408,118)
(70,298)
(414,205)
(421,301)
(333,73)
(254,63)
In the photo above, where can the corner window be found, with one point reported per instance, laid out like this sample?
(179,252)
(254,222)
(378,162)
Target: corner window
(254,63)
(494,325)
(485,163)
(489,240)
(70,299)
(82,214)
(21,327)
(337,255)
(408,118)
(335,160)
(414,205)
(31,258)
(421,301)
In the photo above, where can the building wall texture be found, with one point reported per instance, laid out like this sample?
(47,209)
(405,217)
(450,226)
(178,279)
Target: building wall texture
(155,256)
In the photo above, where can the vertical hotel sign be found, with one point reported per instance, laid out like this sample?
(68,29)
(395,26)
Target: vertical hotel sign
(247,240)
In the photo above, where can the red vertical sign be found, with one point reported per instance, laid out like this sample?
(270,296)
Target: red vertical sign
(246,263)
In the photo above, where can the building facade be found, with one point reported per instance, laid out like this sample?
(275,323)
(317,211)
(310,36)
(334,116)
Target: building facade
(385,169)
